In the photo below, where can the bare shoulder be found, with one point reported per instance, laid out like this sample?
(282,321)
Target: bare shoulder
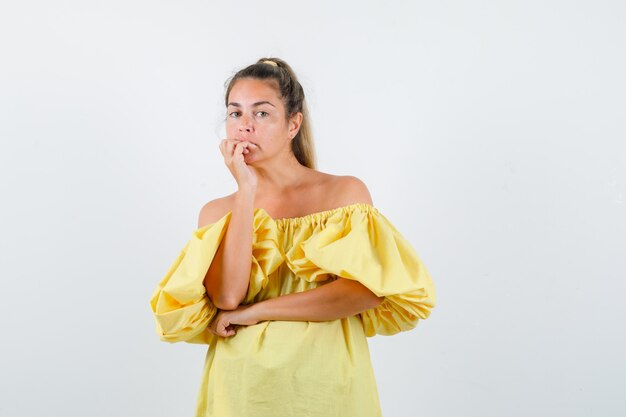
(350,190)
(214,210)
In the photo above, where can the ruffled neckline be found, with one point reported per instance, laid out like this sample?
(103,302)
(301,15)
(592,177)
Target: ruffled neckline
(311,218)
(318,215)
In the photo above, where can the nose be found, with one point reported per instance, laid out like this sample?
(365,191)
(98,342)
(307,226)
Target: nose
(245,124)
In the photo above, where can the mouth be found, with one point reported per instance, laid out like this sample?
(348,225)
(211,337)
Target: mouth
(245,140)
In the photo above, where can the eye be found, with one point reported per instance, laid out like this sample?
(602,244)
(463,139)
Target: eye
(231,114)
(263,113)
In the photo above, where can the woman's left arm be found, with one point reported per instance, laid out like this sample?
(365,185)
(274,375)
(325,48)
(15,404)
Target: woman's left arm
(337,299)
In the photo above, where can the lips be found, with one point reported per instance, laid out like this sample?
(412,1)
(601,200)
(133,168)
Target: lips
(247,140)
(254,144)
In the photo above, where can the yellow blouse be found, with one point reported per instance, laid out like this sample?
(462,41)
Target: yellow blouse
(296,368)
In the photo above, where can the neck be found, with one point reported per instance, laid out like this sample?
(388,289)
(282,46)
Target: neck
(279,175)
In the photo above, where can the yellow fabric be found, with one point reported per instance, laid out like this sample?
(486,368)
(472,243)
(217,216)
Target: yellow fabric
(296,368)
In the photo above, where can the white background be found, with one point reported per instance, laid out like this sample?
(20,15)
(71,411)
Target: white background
(491,133)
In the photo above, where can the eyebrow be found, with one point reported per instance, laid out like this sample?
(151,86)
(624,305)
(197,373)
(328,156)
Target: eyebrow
(258,103)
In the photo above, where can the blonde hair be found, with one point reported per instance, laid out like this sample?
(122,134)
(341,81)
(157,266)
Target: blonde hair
(292,94)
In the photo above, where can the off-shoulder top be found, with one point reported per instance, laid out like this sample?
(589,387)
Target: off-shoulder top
(295,254)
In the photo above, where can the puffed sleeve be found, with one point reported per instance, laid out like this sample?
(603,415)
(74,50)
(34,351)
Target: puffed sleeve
(180,304)
(365,246)
(181,307)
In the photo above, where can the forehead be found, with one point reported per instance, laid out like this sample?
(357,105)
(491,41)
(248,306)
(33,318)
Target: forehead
(247,91)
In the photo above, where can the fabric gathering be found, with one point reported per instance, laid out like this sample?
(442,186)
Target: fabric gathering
(296,368)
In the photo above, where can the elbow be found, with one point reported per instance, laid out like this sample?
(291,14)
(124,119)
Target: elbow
(376,301)
(226,303)
(365,296)
(373,300)
(223,300)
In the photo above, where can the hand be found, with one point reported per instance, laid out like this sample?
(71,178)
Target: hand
(234,152)
(226,321)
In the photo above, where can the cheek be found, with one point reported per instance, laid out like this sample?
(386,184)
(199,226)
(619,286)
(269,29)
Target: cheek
(230,127)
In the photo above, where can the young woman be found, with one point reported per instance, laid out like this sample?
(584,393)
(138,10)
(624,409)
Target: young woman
(285,278)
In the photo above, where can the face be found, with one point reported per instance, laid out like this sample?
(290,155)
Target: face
(256,113)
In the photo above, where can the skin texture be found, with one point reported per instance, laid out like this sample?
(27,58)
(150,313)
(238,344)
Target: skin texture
(257,152)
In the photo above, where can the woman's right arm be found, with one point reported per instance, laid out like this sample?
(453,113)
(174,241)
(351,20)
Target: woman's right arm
(228,277)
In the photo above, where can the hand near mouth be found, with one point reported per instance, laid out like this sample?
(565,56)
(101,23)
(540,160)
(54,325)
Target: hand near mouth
(248,146)
(234,152)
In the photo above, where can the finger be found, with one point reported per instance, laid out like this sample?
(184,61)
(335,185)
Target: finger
(230,145)
(238,149)
(211,327)
(230,151)
(214,327)
(250,146)
(231,330)
(223,328)
(223,147)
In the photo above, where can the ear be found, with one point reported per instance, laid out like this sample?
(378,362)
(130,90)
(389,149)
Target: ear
(294,124)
